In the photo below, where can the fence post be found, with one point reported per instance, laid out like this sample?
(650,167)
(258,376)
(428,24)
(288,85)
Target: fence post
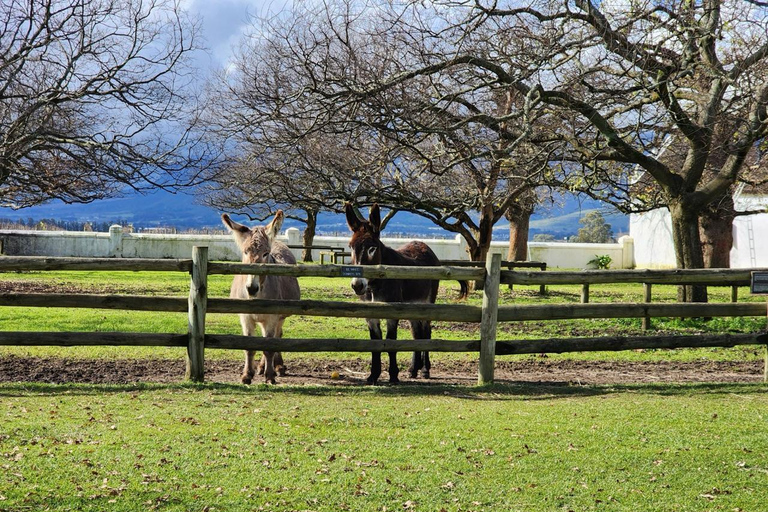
(198,302)
(585,293)
(646,323)
(488,319)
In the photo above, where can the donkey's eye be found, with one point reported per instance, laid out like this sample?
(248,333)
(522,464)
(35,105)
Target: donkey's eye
(371,252)
(265,255)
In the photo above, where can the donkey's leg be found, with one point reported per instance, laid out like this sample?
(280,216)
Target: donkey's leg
(262,363)
(246,322)
(417,363)
(427,365)
(247,375)
(374,329)
(279,364)
(392,335)
(269,368)
(427,336)
(268,331)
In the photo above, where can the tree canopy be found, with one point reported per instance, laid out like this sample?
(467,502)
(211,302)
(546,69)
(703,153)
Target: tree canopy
(96,95)
(594,229)
(441,142)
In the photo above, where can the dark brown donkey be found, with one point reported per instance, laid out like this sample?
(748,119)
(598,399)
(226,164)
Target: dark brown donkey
(258,245)
(367,249)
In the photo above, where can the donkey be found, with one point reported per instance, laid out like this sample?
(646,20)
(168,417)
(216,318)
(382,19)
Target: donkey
(367,249)
(258,245)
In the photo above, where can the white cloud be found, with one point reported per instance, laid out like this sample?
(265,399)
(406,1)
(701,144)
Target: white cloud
(224,21)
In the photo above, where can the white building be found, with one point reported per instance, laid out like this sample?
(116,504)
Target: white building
(652,233)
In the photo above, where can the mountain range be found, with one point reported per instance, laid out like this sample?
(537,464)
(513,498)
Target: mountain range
(181,211)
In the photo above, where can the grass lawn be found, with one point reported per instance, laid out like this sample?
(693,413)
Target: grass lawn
(515,447)
(527,448)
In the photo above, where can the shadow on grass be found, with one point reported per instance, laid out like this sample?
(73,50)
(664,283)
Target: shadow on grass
(509,390)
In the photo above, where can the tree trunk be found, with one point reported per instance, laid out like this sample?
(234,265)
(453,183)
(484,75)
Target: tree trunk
(484,236)
(519,224)
(716,229)
(688,252)
(308,238)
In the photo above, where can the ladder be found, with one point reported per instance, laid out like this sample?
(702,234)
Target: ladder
(751,240)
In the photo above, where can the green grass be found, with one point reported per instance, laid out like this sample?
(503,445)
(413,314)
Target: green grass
(516,448)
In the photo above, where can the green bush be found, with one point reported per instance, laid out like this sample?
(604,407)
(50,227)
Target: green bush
(601,262)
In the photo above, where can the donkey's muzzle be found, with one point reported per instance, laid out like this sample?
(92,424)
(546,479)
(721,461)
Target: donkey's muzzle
(253,288)
(359,285)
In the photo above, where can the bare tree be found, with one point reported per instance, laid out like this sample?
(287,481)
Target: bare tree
(626,77)
(95,95)
(446,143)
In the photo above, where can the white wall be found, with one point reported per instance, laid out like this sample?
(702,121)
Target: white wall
(117,244)
(571,255)
(652,233)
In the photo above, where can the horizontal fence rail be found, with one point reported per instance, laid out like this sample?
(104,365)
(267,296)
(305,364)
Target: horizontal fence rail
(366,271)
(712,277)
(438,312)
(198,304)
(19,263)
(503,347)
(89,301)
(92,339)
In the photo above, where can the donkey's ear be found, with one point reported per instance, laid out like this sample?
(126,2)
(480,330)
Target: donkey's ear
(273,228)
(375,217)
(353,221)
(239,231)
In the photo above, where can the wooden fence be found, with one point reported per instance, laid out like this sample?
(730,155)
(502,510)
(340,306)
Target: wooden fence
(198,304)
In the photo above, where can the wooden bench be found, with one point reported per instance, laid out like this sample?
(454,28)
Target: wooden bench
(509,265)
(334,255)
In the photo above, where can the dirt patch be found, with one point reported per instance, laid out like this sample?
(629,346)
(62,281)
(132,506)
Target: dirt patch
(354,371)
(69,288)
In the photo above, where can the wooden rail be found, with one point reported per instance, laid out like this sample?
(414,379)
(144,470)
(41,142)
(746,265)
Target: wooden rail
(440,312)
(503,347)
(18,263)
(198,304)
(367,271)
(712,277)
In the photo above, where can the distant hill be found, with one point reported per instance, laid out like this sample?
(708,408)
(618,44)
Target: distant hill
(181,211)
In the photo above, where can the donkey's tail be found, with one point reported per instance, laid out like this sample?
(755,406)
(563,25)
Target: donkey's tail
(464,293)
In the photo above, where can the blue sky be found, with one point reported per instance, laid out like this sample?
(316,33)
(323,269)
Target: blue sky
(223,22)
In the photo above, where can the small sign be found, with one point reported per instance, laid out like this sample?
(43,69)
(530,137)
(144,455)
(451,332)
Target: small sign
(348,271)
(759,283)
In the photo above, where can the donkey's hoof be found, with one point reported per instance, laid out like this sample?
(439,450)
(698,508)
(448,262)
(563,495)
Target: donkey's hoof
(414,373)
(281,371)
(245,379)
(394,380)
(371,381)
(424,374)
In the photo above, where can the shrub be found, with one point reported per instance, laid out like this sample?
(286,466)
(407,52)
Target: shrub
(601,262)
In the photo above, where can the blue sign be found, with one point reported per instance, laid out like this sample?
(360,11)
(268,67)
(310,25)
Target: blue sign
(759,283)
(347,271)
